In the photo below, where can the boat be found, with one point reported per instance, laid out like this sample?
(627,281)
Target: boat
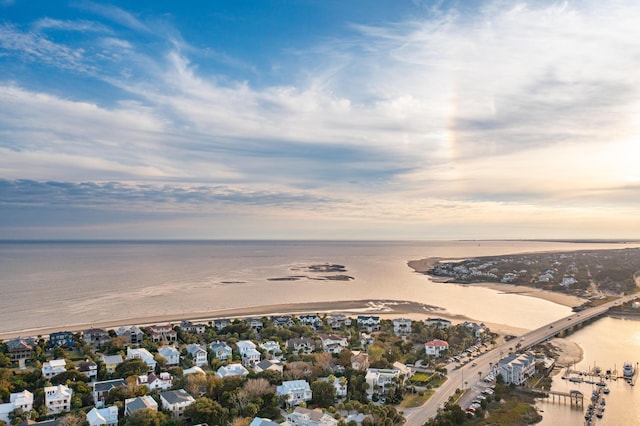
(628,370)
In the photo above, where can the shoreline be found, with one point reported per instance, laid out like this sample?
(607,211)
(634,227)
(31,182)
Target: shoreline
(423,265)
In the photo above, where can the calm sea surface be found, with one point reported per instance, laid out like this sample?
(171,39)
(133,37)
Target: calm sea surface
(48,284)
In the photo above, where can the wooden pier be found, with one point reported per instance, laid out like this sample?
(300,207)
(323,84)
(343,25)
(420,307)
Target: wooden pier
(574,397)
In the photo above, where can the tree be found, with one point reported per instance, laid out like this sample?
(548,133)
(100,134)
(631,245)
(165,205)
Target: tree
(132,367)
(204,410)
(324,393)
(146,417)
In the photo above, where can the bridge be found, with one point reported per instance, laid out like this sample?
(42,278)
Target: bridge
(418,416)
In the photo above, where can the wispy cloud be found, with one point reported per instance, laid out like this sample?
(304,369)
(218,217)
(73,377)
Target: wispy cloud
(81,25)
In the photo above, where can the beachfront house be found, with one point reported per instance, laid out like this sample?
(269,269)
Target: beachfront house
(143,354)
(232,370)
(332,343)
(57,399)
(369,322)
(101,389)
(61,338)
(282,321)
(255,323)
(20,350)
(198,354)
(516,368)
(221,323)
(189,327)
(96,337)
(53,367)
(294,392)
(131,334)
(103,416)
(175,402)
(402,326)
(131,405)
(313,321)
(162,333)
(221,350)
(438,323)
(248,352)
(436,347)
(111,362)
(170,354)
(337,322)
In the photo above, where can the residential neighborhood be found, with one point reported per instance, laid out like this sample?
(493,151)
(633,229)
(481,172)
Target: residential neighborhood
(311,369)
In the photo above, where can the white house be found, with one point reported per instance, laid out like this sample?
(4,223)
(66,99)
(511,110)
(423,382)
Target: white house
(53,367)
(57,399)
(312,321)
(175,402)
(436,347)
(272,348)
(232,370)
(162,381)
(143,354)
(103,416)
(22,400)
(131,405)
(294,392)
(198,353)
(170,354)
(248,352)
(516,368)
(221,350)
(88,368)
(306,417)
(369,322)
(333,344)
(379,380)
(402,326)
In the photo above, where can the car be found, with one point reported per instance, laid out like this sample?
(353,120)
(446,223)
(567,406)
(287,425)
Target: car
(551,326)
(473,364)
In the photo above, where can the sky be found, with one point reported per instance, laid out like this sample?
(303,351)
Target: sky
(319,119)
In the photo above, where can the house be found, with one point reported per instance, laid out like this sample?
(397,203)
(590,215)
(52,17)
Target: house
(405,372)
(53,367)
(438,323)
(101,389)
(162,381)
(103,416)
(568,281)
(189,327)
(259,421)
(162,333)
(220,324)
(232,370)
(436,347)
(131,405)
(370,323)
(282,321)
(88,368)
(312,321)
(61,338)
(175,402)
(477,329)
(301,345)
(20,400)
(198,354)
(380,380)
(248,352)
(516,368)
(339,383)
(273,349)
(336,322)
(111,362)
(170,354)
(20,350)
(306,417)
(366,340)
(221,350)
(131,334)
(143,354)
(402,326)
(265,365)
(57,399)
(193,370)
(255,323)
(96,337)
(359,360)
(294,392)
(332,343)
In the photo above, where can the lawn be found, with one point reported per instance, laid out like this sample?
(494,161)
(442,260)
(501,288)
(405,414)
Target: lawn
(415,400)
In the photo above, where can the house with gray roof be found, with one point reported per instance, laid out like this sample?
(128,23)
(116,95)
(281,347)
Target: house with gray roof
(221,350)
(131,405)
(101,389)
(175,402)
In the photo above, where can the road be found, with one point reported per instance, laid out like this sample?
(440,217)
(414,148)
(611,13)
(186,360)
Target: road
(469,373)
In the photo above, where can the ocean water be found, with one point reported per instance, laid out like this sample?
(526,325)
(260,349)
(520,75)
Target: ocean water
(49,284)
